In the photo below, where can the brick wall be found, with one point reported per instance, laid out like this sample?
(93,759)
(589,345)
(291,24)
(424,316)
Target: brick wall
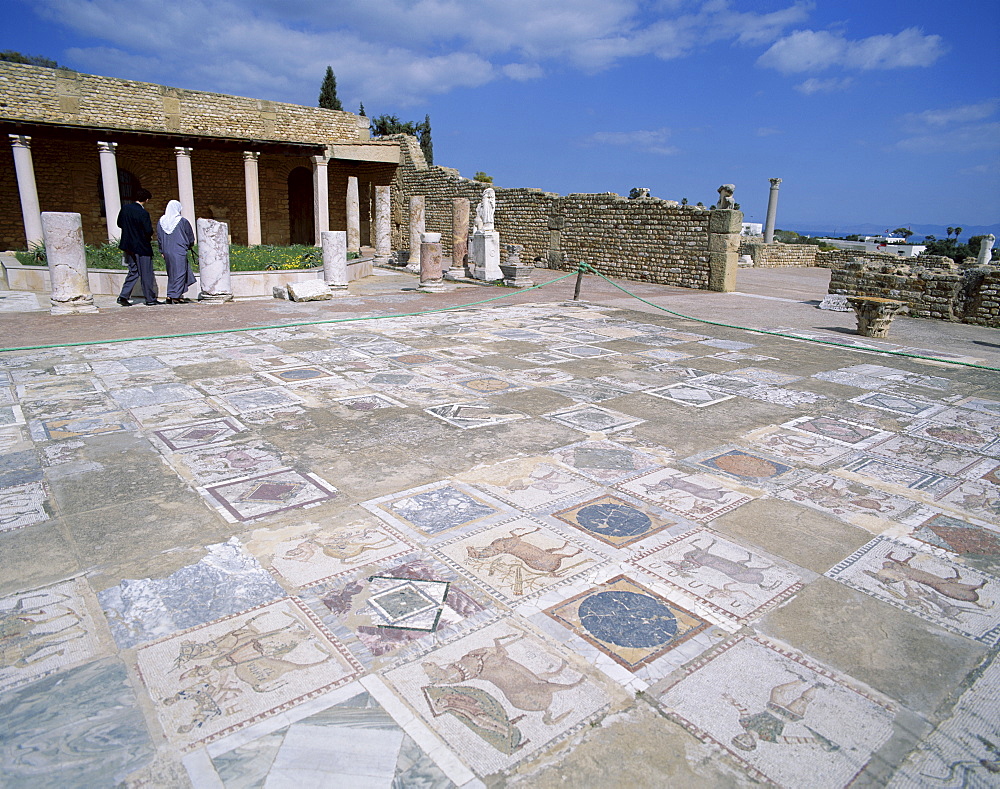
(776,254)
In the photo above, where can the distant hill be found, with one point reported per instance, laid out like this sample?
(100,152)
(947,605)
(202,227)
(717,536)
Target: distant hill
(919,231)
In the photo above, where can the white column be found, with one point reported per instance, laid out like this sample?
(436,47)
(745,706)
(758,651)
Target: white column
(772,210)
(24,169)
(383,225)
(109,180)
(185,185)
(335,259)
(353,215)
(417,227)
(321,197)
(252,181)
(67,264)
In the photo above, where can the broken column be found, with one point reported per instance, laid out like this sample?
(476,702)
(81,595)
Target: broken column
(431,279)
(875,314)
(416,228)
(383,225)
(63,237)
(335,243)
(772,211)
(213,262)
(353,215)
(459,237)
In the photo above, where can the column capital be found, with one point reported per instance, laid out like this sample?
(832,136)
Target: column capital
(774,182)
(180,151)
(106,147)
(20,140)
(319,161)
(251,156)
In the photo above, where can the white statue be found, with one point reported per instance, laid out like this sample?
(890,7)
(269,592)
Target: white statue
(484,211)
(986,250)
(726,196)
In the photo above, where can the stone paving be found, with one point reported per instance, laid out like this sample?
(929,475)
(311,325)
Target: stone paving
(514,545)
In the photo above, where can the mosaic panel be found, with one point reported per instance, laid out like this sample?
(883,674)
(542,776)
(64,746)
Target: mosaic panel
(628,622)
(472,415)
(663,355)
(23,505)
(223,676)
(87,425)
(518,559)
(686,394)
(800,447)
(585,351)
(540,376)
(785,719)
(926,455)
(250,352)
(436,508)
(498,695)
(322,554)
(942,533)
(212,464)
(844,497)
(248,499)
(259,400)
(958,436)
(981,500)
(897,404)
(694,496)
(488,384)
(725,577)
(616,521)
(604,461)
(296,375)
(729,345)
(545,357)
(762,375)
(594,419)
(749,467)
(161,417)
(953,596)
(445,371)
(412,359)
(370,402)
(57,388)
(935,485)
(981,404)
(781,396)
(228,580)
(587,391)
(156,394)
(528,483)
(199,434)
(839,431)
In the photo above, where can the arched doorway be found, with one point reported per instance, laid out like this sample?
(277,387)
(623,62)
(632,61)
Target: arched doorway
(301,225)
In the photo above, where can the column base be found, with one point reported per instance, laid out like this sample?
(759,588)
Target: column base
(75,307)
(215,298)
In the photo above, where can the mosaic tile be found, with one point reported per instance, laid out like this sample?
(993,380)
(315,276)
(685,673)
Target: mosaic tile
(371,402)
(981,500)
(594,419)
(686,394)
(935,485)
(88,425)
(585,351)
(473,415)
(223,676)
(840,431)
(436,508)
(498,695)
(175,414)
(725,578)
(355,743)
(942,533)
(616,521)
(845,498)
(326,553)
(981,404)
(604,461)
(953,596)
(789,721)
(488,384)
(957,436)
(584,391)
(11,415)
(518,559)
(926,455)
(157,394)
(47,630)
(207,465)
(23,505)
(199,434)
(256,497)
(81,728)
(897,404)
(406,603)
(752,468)
(528,483)
(545,357)
(259,400)
(694,496)
(799,447)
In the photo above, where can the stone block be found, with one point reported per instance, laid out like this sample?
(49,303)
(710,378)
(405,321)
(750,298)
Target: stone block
(725,221)
(313,290)
(723,242)
(722,271)
(279,292)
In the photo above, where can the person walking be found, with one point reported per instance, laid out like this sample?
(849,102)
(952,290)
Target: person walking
(175,237)
(136,228)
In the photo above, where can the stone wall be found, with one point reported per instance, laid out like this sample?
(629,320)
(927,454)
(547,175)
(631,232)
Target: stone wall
(838,257)
(645,239)
(45,95)
(776,254)
(931,286)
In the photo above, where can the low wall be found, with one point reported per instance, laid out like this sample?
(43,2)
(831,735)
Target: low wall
(108,282)
(929,286)
(779,255)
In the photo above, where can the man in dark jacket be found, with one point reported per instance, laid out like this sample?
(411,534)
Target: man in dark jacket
(133,219)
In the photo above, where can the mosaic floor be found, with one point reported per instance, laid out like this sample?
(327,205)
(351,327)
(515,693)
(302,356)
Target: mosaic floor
(468,548)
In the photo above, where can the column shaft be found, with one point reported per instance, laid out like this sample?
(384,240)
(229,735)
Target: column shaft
(24,170)
(321,197)
(109,182)
(185,185)
(252,181)
(772,211)
(353,215)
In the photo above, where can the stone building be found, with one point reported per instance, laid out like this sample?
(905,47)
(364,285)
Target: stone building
(276,173)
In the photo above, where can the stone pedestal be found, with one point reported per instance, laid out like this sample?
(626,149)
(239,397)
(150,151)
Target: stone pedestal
(213,262)
(459,237)
(383,225)
(484,255)
(431,278)
(335,259)
(875,314)
(724,226)
(515,274)
(63,237)
(416,229)
(353,215)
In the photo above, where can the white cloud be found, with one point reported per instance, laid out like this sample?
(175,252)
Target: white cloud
(644,140)
(813,85)
(964,114)
(815,50)
(952,129)
(522,72)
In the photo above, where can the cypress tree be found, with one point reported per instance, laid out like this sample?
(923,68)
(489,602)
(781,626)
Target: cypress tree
(424,136)
(361,110)
(328,92)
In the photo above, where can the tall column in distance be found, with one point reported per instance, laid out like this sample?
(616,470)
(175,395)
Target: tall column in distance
(772,211)
(321,197)
(353,215)
(383,225)
(109,182)
(24,170)
(252,182)
(185,185)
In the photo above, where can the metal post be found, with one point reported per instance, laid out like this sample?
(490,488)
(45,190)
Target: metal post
(579,282)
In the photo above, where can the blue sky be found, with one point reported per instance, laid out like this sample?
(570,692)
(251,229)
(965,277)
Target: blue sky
(870,111)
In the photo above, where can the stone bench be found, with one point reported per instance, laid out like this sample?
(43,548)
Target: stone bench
(875,314)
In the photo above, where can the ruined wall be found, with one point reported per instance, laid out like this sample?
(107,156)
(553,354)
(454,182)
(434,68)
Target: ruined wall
(838,257)
(933,287)
(37,94)
(646,239)
(779,255)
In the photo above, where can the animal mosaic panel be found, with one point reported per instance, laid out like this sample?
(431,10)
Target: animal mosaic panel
(518,559)
(255,497)
(695,496)
(953,596)
(46,630)
(528,483)
(731,581)
(978,499)
(224,675)
(498,695)
(845,498)
(931,529)
(797,447)
(923,454)
(958,436)
(228,461)
(616,521)
(751,468)
(935,485)
(789,721)
(627,621)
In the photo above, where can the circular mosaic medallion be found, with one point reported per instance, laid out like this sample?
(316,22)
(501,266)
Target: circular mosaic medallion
(628,619)
(613,519)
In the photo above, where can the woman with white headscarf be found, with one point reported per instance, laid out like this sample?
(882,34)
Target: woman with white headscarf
(175,237)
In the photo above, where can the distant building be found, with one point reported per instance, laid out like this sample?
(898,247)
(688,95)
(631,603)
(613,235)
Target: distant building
(752,229)
(886,245)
